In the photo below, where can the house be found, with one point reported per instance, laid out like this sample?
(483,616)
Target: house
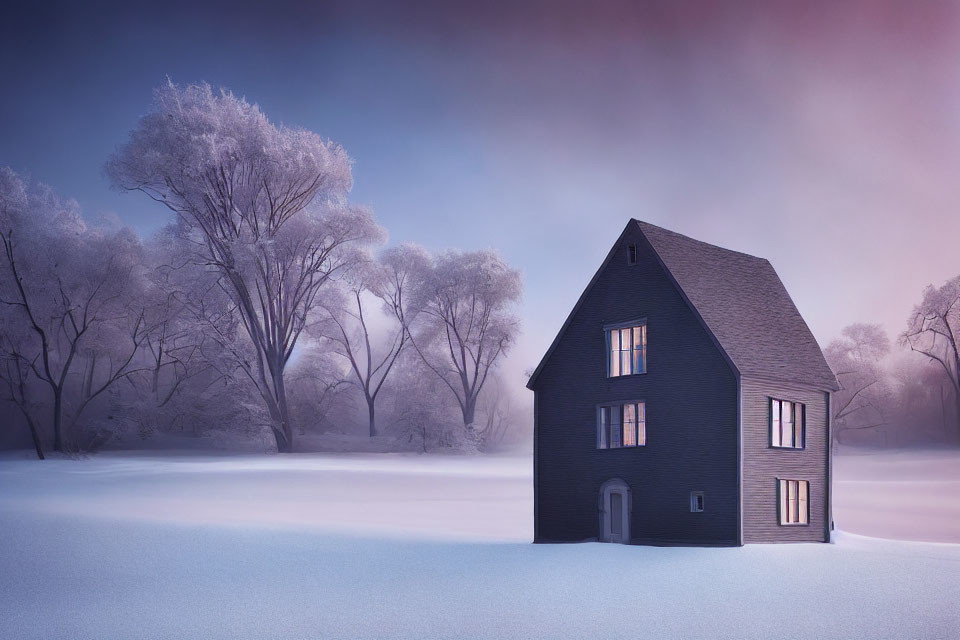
(684,402)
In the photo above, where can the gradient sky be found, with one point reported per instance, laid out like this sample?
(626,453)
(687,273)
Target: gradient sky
(825,138)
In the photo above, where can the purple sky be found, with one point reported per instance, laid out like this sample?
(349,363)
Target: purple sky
(824,138)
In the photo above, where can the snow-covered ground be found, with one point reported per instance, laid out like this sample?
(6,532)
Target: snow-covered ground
(365,546)
(907,495)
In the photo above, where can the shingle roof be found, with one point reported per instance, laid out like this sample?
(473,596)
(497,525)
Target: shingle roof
(746,307)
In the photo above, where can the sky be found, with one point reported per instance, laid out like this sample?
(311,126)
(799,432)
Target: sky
(823,136)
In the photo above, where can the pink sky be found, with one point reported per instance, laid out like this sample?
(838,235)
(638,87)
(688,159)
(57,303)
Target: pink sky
(825,139)
(821,135)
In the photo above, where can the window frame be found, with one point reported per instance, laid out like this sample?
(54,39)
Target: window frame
(603,432)
(780,485)
(632,253)
(693,502)
(802,425)
(608,329)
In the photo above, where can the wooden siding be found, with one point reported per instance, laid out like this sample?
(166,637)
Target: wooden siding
(690,393)
(762,464)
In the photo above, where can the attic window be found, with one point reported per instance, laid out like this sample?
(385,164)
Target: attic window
(632,254)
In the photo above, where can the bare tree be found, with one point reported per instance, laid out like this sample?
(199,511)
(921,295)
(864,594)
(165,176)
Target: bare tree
(316,387)
(14,382)
(857,361)
(263,206)
(420,411)
(69,296)
(465,300)
(497,417)
(933,330)
(180,361)
(921,401)
(186,314)
(349,325)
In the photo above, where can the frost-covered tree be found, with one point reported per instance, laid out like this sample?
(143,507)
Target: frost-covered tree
(921,400)
(262,206)
(372,354)
(174,345)
(188,380)
(863,401)
(69,299)
(420,411)
(317,385)
(16,389)
(497,412)
(466,323)
(933,329)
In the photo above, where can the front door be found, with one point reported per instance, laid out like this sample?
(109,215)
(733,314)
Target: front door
(616,516)
(615,507)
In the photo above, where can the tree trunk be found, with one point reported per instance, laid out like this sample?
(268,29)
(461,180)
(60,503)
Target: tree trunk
(277,422)
(469,409)
(88,383)
(372,410)
(58,421)
(284,444)
(36,438)
(956,395)
(943,414)
(155,380)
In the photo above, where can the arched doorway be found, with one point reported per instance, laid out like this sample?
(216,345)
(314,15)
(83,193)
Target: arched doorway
(615,508)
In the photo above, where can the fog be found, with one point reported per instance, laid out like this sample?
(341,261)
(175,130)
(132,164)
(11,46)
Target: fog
(195,329)
(821,136)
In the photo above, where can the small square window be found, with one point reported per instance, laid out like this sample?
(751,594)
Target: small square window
(696,501)
(632,254)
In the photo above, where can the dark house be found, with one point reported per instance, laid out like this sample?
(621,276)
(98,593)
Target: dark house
(684,401)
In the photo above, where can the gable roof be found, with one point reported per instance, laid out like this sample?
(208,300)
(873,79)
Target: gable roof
(742,303)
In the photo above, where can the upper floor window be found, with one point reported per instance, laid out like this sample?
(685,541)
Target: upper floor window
(794,501)
(632,254)
(622,425)
(787,424)
(627,350)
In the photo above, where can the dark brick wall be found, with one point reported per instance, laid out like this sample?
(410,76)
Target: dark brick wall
(691,401)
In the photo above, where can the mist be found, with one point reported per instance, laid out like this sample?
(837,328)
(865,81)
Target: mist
(768,129)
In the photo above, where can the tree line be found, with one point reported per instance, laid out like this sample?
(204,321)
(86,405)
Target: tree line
(907,392)
(261,304)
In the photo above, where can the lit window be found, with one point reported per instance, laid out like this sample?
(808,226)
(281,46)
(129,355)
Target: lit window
(696,501)
(794,502)
(787,424)
(628,351)
(622,425)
